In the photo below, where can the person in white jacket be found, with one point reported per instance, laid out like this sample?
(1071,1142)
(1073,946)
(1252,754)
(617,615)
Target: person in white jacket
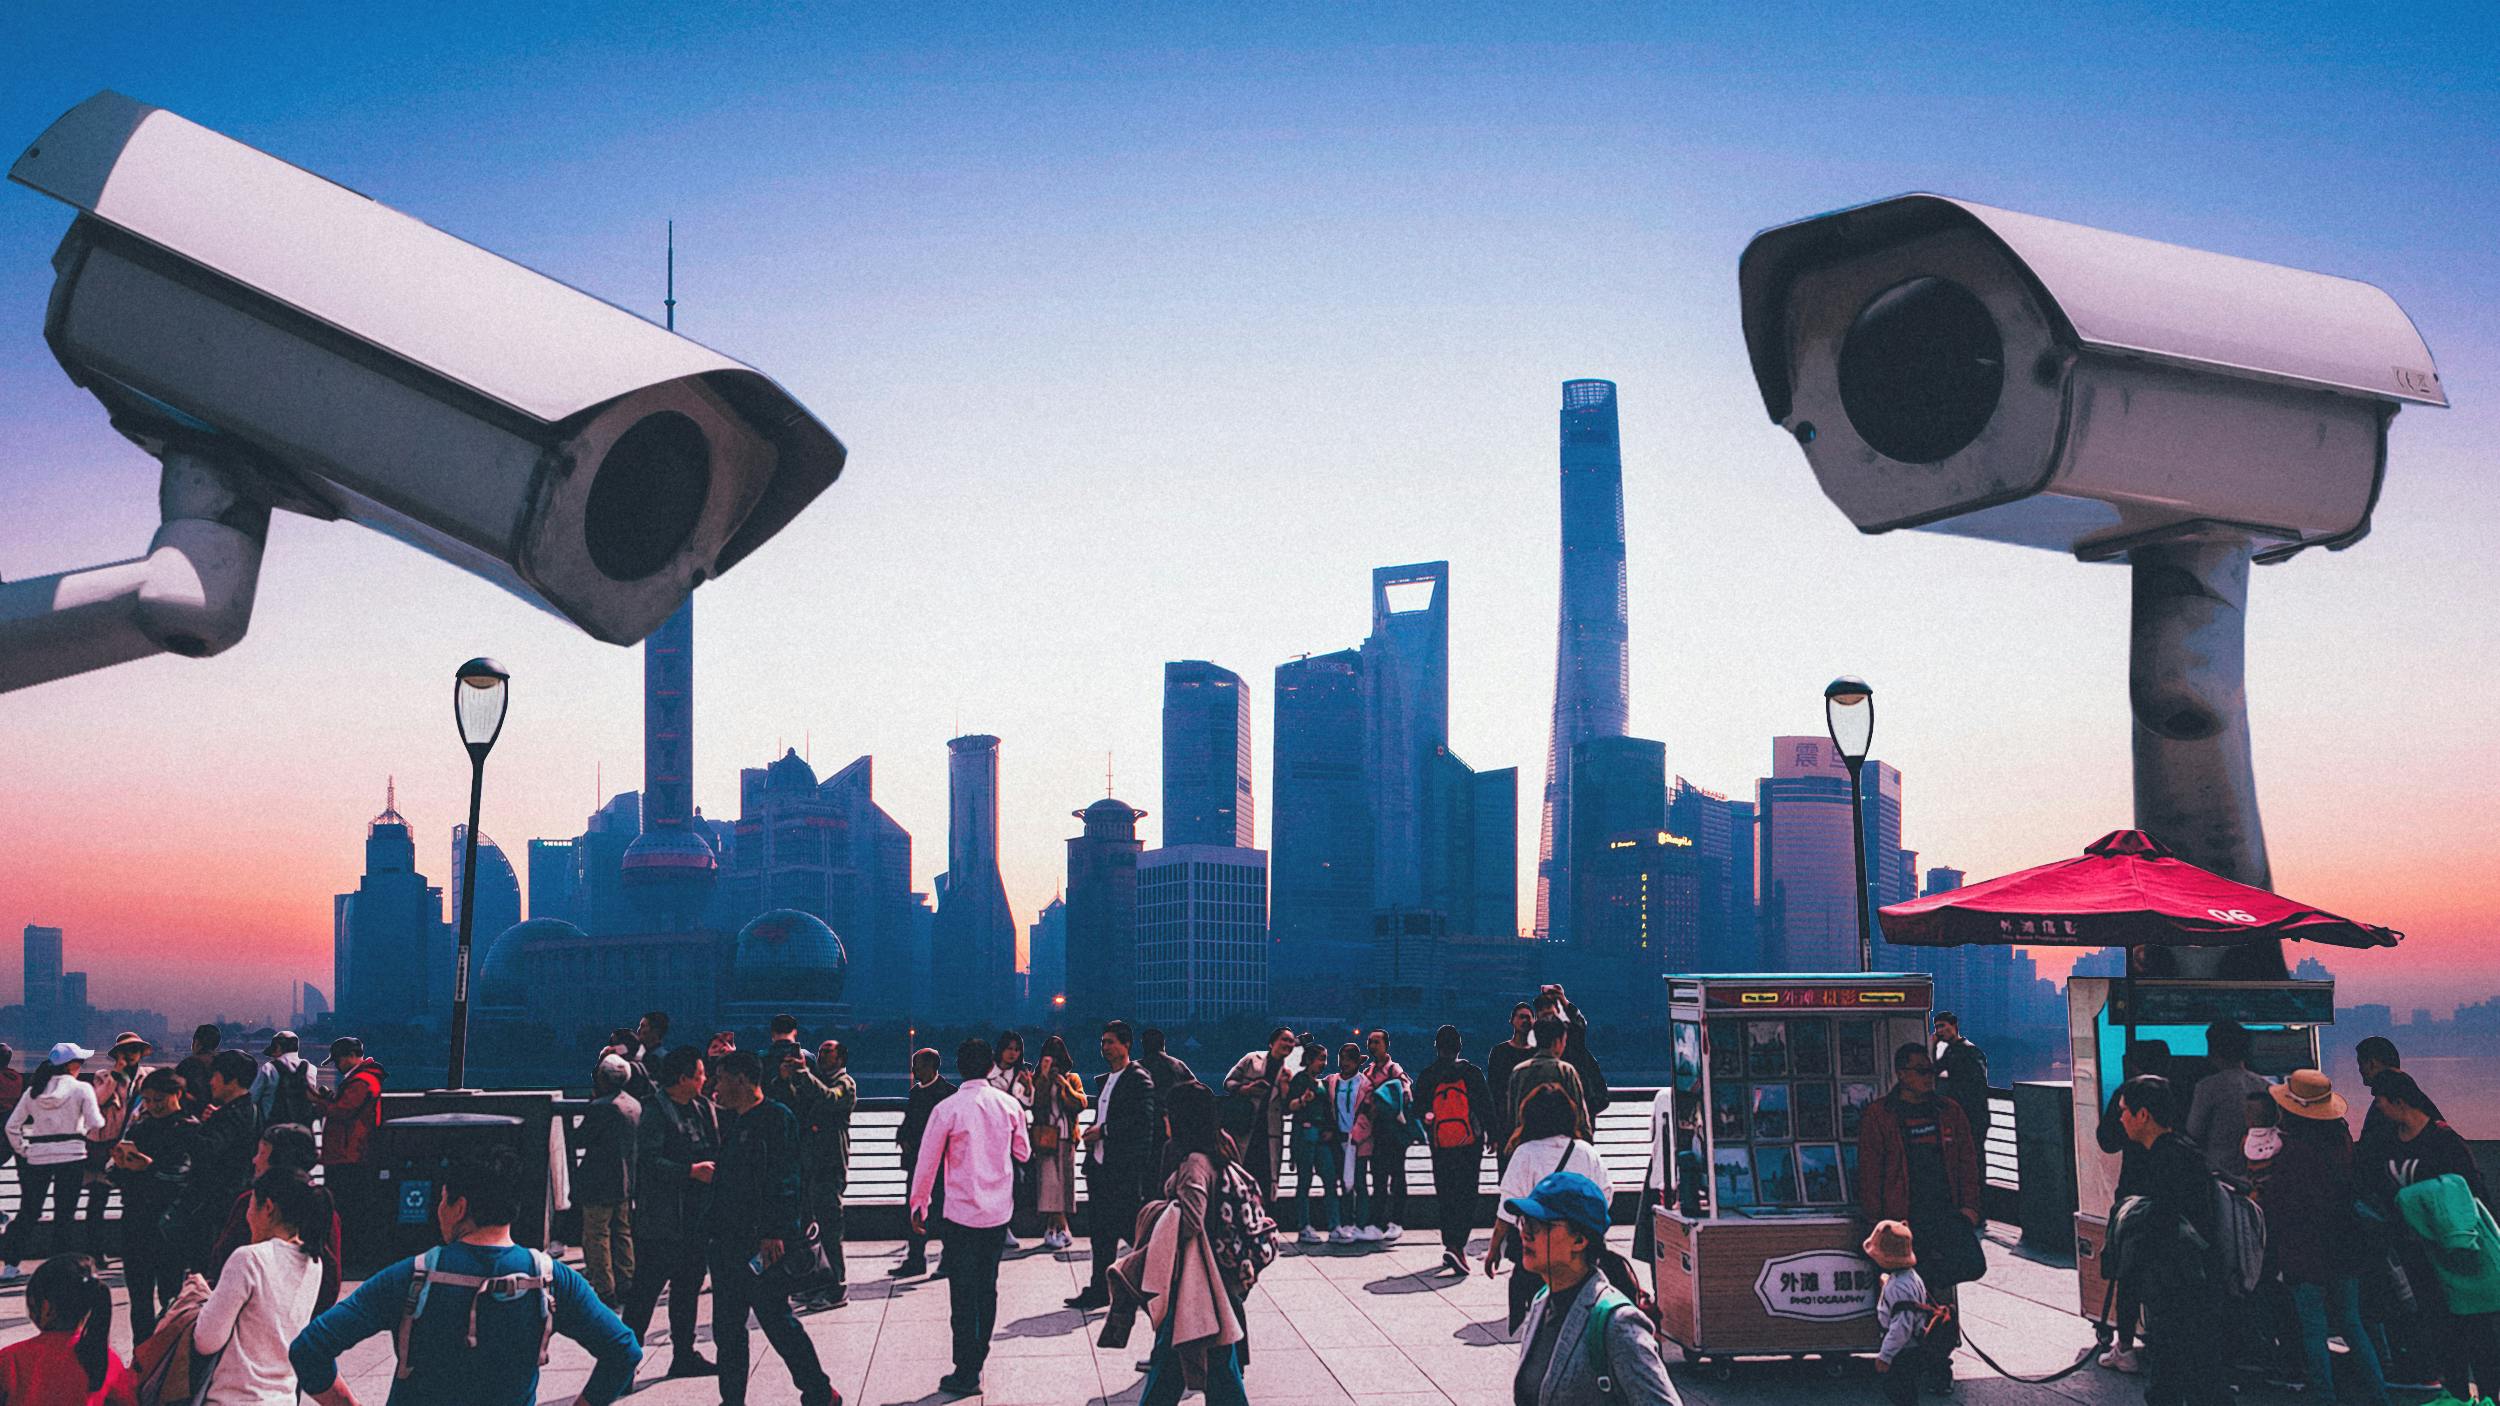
(265,1295)
(48,1130)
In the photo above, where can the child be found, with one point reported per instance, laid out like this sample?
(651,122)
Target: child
(69,1361)
(1904,1311)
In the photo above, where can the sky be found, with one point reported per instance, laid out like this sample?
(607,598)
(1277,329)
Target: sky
(1152,330)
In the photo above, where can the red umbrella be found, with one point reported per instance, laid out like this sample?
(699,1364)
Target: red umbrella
(2126,890)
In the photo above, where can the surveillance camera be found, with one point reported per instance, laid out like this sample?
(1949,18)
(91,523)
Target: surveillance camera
(339,359)
(1970,370)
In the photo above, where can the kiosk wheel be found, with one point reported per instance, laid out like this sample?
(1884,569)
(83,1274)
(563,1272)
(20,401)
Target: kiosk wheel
(1835,1364)
(1719,1369)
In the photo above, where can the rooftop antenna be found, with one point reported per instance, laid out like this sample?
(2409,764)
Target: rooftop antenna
(671,300)
(1106,773)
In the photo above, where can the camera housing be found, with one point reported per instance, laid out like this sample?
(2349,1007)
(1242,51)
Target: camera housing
(340,359)
(1960,368)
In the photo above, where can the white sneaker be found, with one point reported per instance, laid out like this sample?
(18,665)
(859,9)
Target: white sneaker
(2122,1359)
(10,1273)
(1310,1236)
(1342,1235)
(1368,1234)
(1392,1231)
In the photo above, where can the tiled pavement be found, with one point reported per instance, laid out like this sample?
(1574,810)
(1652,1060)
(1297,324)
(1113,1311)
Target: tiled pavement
(1379,1326)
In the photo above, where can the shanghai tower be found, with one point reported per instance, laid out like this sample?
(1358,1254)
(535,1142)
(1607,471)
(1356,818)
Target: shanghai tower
(1592,650)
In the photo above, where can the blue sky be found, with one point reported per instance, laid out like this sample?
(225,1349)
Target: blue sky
(1152,329)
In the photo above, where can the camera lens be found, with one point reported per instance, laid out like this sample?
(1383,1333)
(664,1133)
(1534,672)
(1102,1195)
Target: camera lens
(1921,370)
(648,496)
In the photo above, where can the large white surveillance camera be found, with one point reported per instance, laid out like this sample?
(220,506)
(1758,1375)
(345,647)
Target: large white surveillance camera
(1964,369)
(1970,370)
(281,341)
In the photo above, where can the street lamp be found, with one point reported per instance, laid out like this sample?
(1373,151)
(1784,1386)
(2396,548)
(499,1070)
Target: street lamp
(479,694)
(1849,716)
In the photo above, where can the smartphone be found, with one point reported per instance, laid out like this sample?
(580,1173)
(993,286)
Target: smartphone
(757,1265)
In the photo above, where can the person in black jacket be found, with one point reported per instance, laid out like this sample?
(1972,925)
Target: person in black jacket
(1455,1131)
(755,1221)
(2182,1317)
(1962,1073)
(928,1090)
(152,1165)
(1498,1065)
(677,1153)
(2142,1057)
(1119,1155)
(1168,1071)
(221,1158)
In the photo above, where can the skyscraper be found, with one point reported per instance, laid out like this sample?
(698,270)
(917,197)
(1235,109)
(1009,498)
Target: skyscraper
(43,969)
(1046,961)
(1201,933)
(1808,867)
(1722,832)
(1102,912)
(1618,788)
(1592,650)
(975,935)
(389,933)
(1639,918)
(1320,831)
(1406,721)
(1206,756)
(555,883)
(498,908)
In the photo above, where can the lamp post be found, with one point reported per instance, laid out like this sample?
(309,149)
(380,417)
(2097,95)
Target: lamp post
(479,694)
(1849,716)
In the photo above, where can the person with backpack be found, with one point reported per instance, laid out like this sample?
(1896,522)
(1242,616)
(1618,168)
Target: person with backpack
(1387,1097)
(471,1318)
(1910,1322)
(2423,1178)
(282,1089)
(1546,1141)
(1453,1098)
(1583,1343)
(70,1360)
(2306,1191)
(1261,1078)
(1918,1163)
(2171,1258)
(350,1113)
(1194,1269)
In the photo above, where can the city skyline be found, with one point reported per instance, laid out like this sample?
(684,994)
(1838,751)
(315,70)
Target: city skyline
(1006,243)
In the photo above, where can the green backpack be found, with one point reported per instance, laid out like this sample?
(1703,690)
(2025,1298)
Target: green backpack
(1601,1319)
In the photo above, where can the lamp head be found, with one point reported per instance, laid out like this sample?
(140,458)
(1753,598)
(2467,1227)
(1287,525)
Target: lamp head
(1849,715)
(480,694)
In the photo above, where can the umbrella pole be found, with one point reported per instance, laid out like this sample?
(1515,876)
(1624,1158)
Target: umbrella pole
(2187,685)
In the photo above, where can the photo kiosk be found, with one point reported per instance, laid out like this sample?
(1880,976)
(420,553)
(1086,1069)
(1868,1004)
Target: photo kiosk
(2104,1013)
(1757,1253)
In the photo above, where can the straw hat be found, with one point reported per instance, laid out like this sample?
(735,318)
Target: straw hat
(2308,1093)
(1889,1246)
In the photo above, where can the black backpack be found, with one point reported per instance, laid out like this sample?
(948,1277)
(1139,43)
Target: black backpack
(292,1101)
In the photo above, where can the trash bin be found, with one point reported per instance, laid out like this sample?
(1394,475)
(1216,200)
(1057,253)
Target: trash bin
(414,1153)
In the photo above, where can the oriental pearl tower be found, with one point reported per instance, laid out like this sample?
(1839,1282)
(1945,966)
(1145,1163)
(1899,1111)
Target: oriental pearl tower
(670,870)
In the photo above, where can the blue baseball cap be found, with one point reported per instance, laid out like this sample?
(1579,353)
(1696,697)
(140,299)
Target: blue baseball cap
(1569,1198)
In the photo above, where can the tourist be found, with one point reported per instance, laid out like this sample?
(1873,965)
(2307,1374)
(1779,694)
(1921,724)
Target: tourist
(1498,1065)
(266,1293)
(12,1083)
(1201,1320)
(2217,1118)
(2375,1055)
(1546,1141)
(1168,1071)
(2174,1272)
(1315,1139)
(1453,1099)
(1058,1100)
(1565,1358)
(2454,1282)
(648,1035)
(2142,1057)
(677,1154)
(1919,1163)
(1594,1096)
(205,1040)
(1014,1078)
(286,1149)
(1119,1147)
(478,1329)
(48,1130)
(282,1087)
(1260,1078)
(791,1083)
(782,1030)
(976,1138)
(825,1162)
(2312,1236)
(222,1156)
(755,1220)
(1962,1073)
(603,1180)
(1550,1064)
(1349,1107)
(927,1092)
(1909,1321)
(151,1163)
(1384,1140)
(350,1113)
(70,1359)
(116,1098)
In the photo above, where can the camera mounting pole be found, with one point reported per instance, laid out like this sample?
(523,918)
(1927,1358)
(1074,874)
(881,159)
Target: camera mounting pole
(2187,684)
(190,595)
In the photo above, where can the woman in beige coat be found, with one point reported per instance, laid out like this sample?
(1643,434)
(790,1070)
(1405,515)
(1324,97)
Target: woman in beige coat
(1201,1332)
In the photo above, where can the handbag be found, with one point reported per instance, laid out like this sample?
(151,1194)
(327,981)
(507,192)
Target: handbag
(1949,1250)
(1125,1303)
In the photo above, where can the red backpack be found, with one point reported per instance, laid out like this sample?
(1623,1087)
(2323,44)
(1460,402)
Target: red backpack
(1453,1115)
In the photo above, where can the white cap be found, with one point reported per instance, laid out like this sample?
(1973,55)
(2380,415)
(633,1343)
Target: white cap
(69,1051)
